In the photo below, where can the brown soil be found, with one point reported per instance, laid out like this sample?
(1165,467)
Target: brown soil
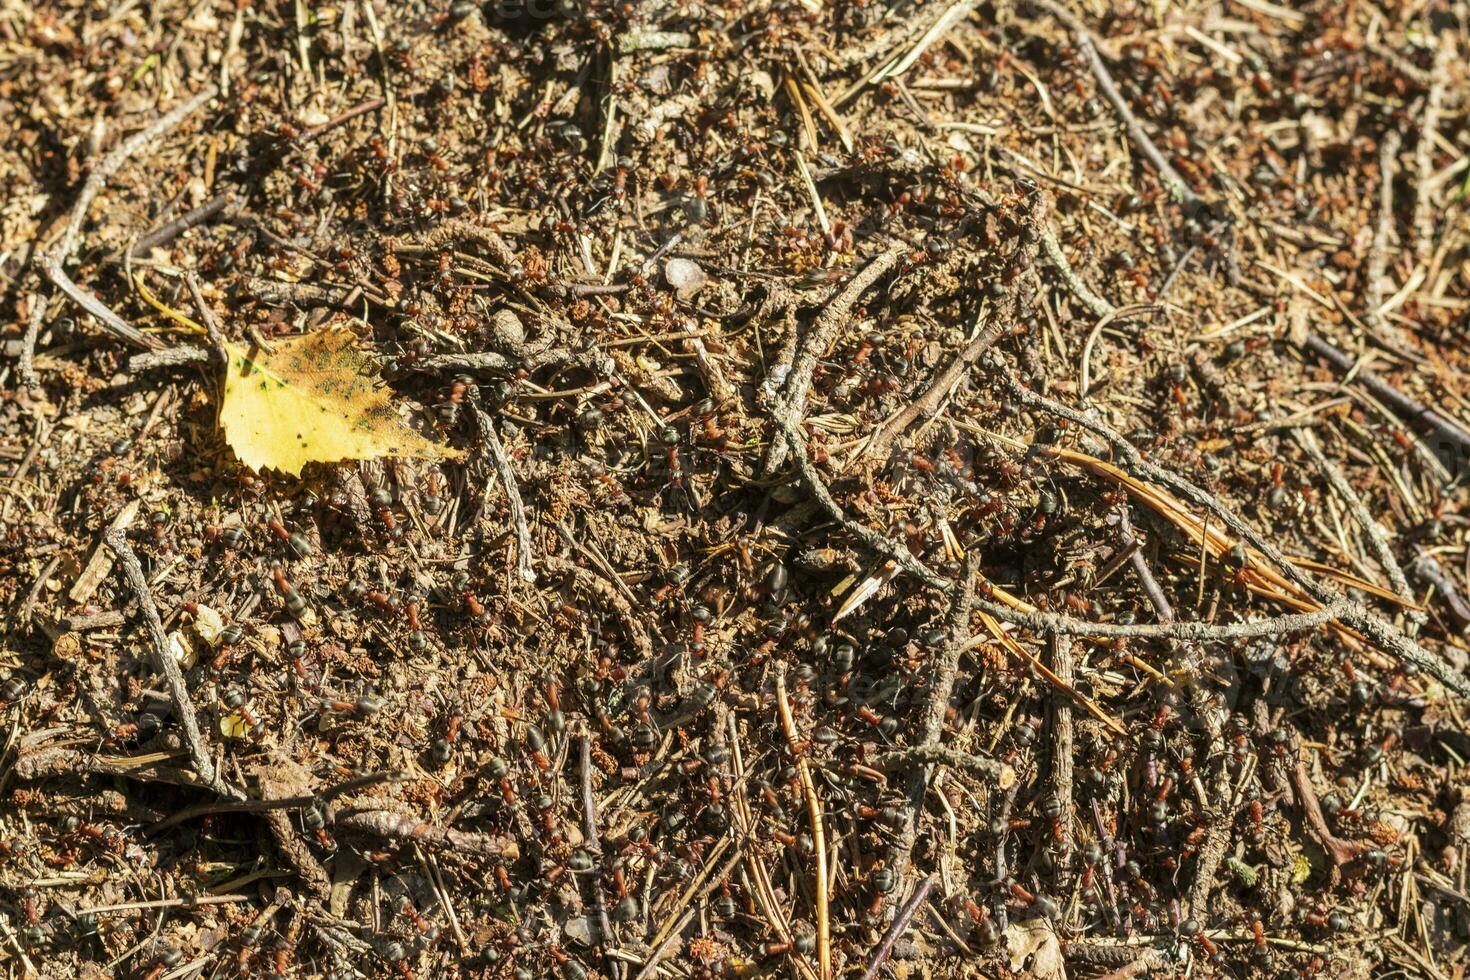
(948,489)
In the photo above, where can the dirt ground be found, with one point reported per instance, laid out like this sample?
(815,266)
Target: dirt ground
(947,489)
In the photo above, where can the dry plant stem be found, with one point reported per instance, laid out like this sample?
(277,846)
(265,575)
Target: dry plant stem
(1376,536)
(792,400)
(507,477)
(1002,920)
(931,725)
(165,664)
(52,260)
(14,941)
(650,966)
(1408,408)
(898,927)
(927,404)
(1148,961)
(1060,649)
(819,837)
(206,315)
(594,846)
(1087,43)
(169,357)
(166,233)
(1352,614)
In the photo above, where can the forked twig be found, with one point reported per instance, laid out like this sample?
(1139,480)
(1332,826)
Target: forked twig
(51,261)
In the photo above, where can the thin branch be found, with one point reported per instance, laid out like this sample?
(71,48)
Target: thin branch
(897,928)
(792,401)
(1376,535)
(1456,438)
(1000,323)
(1352,614)
(594,846)
(28,343)
(1388,151)
(1156,596)
(507,476)
(1062,664)
(165,663)
(394,825)
(942,755)
(279,803)
(936,706)
(52,260)
(1191,201)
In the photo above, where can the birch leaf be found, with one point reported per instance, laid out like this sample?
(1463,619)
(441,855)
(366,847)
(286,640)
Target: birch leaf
(316,398)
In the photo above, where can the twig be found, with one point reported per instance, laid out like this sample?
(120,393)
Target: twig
(168,231)
(1408,408)
(942,755)
(216,336)
(401,826)
(819,837)
(1388,151)
(650,966)
(1148,960)
(898,927)
(10,937)
(167,358)
(165,664)
(1156,596)
(1376,536)
(1341,851)
(936,706)
(278,803)
(51,261)
(1191,201)
(507,477)
(1060,649)
(1040,622)
(1001,871)
(1053,249)
(1352,614)
(358,110)
(1424,207)
(28,342)
(792,401)
(1432,572)
(1001,320)
(594,846)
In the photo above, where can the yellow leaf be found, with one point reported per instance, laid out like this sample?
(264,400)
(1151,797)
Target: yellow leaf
(316,398)
(234,725)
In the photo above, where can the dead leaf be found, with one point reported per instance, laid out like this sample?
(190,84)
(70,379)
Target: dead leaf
(1035,940)
(316,398)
